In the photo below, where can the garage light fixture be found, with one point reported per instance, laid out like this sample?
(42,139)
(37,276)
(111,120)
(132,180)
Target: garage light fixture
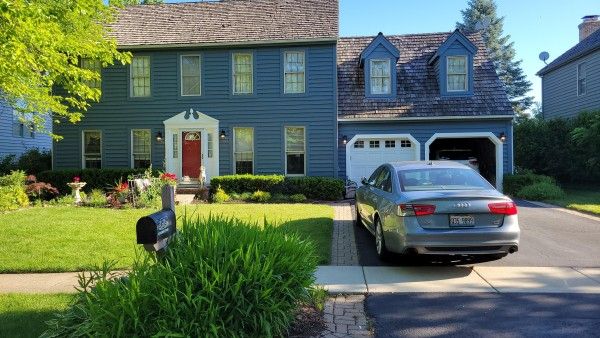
(159,137)
(344,139)
(503,137)
(222,134)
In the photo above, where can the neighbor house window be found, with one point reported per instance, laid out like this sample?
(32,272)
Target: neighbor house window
(381,77)
(581,78)
(242,73)
(18,126)
(295,151)
(93,65)
(243,150)
(92,149)
(190,75)
(457,73)
(293,70)
(140,148)
(140,76)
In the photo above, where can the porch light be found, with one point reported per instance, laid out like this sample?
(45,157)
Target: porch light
(344,139)
(159,137)
(503,137)
(222,134)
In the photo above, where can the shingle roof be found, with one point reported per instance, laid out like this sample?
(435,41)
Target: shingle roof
(584,47)
(226,21)
(418,91)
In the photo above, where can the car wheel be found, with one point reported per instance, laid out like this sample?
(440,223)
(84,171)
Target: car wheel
(359,222)
(382,252)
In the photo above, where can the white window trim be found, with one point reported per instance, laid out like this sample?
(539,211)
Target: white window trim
(389,64)
(99,81)
(131,76)
(181,73)
(577,79)
(83,147)
(285,72)
(131,140)
(466,74)
(251,73)
(286,151)
(253,151)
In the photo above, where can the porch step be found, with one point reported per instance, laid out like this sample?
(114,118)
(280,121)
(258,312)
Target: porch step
(188,189)
(184,199)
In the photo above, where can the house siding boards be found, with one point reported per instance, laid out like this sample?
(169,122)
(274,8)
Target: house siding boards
(423,131)
(16,145)
(559,89)
(267,109)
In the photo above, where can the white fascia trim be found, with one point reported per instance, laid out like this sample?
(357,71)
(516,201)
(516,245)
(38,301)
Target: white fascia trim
(435,118)
(499,149)
(225,44)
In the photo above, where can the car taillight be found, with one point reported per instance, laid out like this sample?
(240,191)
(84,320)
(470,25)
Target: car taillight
(416,209)
(503,208)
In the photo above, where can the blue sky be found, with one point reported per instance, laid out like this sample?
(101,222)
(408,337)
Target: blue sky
(534,25)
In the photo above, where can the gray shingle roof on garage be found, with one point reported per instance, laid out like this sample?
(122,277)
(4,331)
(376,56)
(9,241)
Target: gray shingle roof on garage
(418,91)
(226,22)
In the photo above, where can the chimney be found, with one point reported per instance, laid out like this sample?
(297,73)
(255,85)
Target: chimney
(589,25)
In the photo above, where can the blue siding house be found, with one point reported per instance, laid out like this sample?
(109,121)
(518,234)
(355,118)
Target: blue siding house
(209,94)
(279,92)
(16,137)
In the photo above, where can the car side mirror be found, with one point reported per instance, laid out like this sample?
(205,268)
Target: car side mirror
(364,181)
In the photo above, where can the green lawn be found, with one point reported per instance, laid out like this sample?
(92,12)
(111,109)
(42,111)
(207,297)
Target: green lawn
(581,200)
(66,238)
(25,315)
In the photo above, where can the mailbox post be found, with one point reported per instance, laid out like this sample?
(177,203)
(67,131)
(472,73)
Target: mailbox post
(155,230)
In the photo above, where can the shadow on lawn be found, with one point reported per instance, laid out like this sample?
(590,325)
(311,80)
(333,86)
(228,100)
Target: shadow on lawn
(24,323)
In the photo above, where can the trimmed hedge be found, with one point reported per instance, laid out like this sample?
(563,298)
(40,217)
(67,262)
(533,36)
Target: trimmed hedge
(541,191)
(514,183)
(95,178)
(313,187)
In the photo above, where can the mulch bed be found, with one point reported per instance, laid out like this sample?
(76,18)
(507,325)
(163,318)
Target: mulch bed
(309,322)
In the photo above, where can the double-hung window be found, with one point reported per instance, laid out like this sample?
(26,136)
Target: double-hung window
(243,150)
(92,149)
(295,151)
(95,66)
(242,73)
(293,70)
(140,76)
(140,148)
(190,75)
(581,79)
(457,73)
(380,77)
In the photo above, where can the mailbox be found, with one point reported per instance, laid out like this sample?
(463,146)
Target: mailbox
(155,229)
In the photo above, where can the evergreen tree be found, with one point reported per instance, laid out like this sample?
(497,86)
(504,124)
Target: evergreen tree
(481,14)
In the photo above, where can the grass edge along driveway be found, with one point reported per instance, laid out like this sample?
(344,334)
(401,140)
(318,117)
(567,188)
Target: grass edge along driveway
(587,201)
(68,238)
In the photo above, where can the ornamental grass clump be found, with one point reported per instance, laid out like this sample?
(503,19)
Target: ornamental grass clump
(220,278)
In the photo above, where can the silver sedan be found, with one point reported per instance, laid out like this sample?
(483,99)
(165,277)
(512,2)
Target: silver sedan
(436,207)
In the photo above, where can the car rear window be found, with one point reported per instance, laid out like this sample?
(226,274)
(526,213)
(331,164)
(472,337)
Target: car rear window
(442,179)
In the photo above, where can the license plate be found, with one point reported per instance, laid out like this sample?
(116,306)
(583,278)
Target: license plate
(462,220)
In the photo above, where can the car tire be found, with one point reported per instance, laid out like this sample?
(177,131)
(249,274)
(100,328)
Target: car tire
(380,248)
(359,222)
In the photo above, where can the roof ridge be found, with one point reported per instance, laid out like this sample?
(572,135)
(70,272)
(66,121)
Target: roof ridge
(408,35)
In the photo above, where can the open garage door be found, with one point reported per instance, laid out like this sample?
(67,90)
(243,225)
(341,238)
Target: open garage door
(482,152)
(364,153)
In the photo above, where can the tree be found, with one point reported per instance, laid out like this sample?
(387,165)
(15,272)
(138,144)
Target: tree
(134,2)
(41,45)
(502,51)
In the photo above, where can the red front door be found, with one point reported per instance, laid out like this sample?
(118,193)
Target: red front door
(190,156)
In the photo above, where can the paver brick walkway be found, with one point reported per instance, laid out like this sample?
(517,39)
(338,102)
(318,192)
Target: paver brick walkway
(343,245)
(345,317)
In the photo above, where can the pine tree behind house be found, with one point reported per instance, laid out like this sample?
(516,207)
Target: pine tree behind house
(502,51)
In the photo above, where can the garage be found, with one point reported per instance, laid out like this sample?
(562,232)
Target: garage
(481,151)
(364,153)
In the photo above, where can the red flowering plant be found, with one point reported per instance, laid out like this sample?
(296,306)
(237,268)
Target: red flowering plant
(119,194)
(168,178)
(76,179)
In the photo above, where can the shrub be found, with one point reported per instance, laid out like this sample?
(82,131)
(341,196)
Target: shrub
(94,178)
(12,191)
(96,198)
(39,190)
(8,163)
(247,182)
(514,183)
(280,198)
(220,196)
(34,161)
(219,278)
(261,196)
(298,198)
(541,191)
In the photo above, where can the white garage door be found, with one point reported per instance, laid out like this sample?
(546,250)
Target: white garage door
(365,155)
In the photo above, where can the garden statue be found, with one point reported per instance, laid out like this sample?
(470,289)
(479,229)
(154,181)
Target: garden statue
(76,186)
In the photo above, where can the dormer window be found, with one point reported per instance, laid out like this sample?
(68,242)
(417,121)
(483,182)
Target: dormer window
(457,73)
(381,77)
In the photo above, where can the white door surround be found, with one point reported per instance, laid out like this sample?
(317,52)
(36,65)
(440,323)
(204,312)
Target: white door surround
(192,121)
(498,144)
(363,161)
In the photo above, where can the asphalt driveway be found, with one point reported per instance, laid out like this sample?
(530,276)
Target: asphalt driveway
(548,238)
